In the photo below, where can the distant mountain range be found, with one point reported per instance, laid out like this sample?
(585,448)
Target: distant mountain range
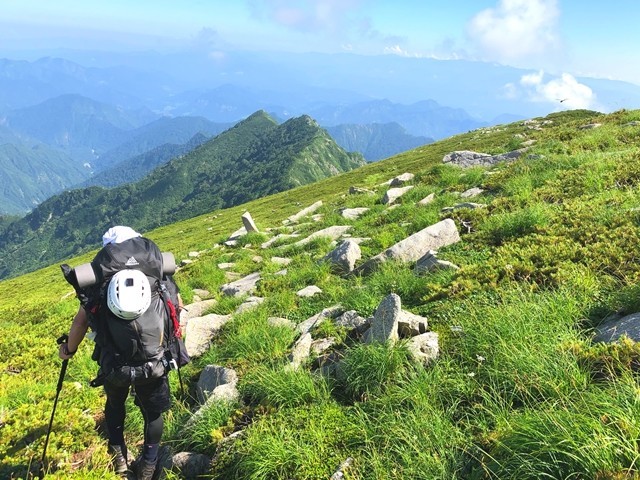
(255,158)
(76,114)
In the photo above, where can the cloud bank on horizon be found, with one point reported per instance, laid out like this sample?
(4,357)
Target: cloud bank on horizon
(553,36)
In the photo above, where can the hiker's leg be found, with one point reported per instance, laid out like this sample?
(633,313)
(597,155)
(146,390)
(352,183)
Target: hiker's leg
(153,399)
(115,412)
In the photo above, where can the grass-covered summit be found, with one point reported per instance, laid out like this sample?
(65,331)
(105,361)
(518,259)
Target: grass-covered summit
(519,390)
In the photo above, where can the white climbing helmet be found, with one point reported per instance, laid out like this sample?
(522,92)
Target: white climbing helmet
(129,294)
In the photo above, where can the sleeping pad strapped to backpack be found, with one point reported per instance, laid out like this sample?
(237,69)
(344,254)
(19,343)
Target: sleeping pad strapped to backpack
(137,348)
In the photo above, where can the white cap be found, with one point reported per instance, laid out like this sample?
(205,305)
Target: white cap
(118,234)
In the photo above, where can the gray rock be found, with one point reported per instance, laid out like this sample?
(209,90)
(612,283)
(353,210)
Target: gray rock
(353,213)
(458,206)
(384,327)
(428,199)
(242,286)
(281,260)
(309,291)
(191,465)
(344,257)
(467,158)
(194,310)
(280,236)
(241,232)
(424,348)
(472,192)
(249,224)
(249,304)
(412,248)
(333,233)
(300,351)
(281,322)
(320,346)
(303,213)
(360,190)
(311,322)
(353,321)
(611,330)
(201,330)
(411,325)
(401,180)
(429,262)
(393,194)
(213,377)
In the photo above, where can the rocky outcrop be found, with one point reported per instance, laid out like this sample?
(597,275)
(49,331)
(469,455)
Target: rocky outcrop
(344,257)
(412,248)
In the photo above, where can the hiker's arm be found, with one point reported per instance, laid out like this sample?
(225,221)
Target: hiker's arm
(78,329)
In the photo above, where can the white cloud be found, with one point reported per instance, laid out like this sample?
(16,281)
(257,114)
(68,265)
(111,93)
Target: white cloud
(564,91)
(515,29)
(305,15)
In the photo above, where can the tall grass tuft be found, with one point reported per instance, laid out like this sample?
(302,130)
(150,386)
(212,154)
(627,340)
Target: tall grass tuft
(283,387)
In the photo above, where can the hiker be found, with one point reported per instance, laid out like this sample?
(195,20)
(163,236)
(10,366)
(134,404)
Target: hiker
(131,297)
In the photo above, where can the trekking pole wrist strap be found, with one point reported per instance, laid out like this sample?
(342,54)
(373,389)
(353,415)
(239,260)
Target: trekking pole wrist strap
(66,351)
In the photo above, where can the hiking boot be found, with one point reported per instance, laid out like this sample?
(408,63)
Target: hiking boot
(119,459)
(144,469)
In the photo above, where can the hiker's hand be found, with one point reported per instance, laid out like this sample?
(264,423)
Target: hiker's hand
(64,353)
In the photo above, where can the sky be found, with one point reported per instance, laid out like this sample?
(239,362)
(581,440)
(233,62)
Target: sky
(564,38)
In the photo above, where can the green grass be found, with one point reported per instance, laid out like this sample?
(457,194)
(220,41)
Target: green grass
(518,392)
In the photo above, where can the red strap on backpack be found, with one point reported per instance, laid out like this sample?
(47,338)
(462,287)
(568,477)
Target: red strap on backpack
(174,318)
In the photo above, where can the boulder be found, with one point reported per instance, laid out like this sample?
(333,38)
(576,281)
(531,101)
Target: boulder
(412,248)
(249,224)
(344,257)
(300,351)
(211,379)
(467,158)
(401,180)
(611,330)
(353,321)
(334,233)
(191,465)
(309,291)
(311,322)
(411,325)
(384,326)
(472,192)
(424,348)
(353,213)
(360,190)
(393,194)
(430,263)
(303,213)
(427,200)
(201,330)
(245,285)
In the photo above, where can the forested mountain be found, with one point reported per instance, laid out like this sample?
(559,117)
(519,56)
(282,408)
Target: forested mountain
(256,157)
(376,141)
(165,130)
(31,172)
(136,167)
(82,127)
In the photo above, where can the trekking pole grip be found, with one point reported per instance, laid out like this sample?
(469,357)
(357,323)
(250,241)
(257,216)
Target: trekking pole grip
(62,339)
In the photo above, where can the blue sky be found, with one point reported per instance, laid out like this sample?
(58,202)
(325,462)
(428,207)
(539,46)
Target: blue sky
(574,37)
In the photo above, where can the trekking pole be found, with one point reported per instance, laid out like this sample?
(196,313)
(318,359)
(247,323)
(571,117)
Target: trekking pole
(63,370)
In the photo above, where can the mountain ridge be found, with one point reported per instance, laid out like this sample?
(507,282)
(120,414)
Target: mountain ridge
(256,157)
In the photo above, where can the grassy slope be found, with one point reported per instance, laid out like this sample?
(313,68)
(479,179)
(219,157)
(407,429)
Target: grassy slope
(519,393)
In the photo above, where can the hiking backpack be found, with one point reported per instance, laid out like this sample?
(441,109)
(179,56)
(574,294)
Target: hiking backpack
(139,347)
